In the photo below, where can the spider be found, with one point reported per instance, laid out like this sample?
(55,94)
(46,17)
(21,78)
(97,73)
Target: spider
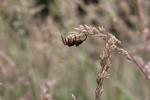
(74,39)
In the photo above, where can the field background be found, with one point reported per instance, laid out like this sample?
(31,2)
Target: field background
(35,65)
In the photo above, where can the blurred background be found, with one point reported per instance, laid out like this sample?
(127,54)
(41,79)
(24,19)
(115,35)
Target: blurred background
(35,65)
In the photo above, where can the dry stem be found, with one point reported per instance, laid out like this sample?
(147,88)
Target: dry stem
(145,33)
(73,96)
(140,16)
(143,29)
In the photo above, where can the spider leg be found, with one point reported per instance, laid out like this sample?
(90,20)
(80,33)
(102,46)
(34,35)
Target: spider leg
(63,40)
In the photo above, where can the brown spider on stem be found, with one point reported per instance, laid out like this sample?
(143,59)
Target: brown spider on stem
(81,34)
(74,39)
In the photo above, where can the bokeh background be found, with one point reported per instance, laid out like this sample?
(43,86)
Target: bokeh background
(35,65)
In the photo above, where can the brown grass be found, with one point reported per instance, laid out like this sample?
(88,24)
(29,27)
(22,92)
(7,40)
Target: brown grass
(81,34)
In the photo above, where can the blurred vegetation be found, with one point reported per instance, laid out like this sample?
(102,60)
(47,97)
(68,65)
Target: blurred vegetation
(34,63)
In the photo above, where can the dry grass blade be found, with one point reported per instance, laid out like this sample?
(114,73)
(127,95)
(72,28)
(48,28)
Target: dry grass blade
(145,68)
(142,26)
